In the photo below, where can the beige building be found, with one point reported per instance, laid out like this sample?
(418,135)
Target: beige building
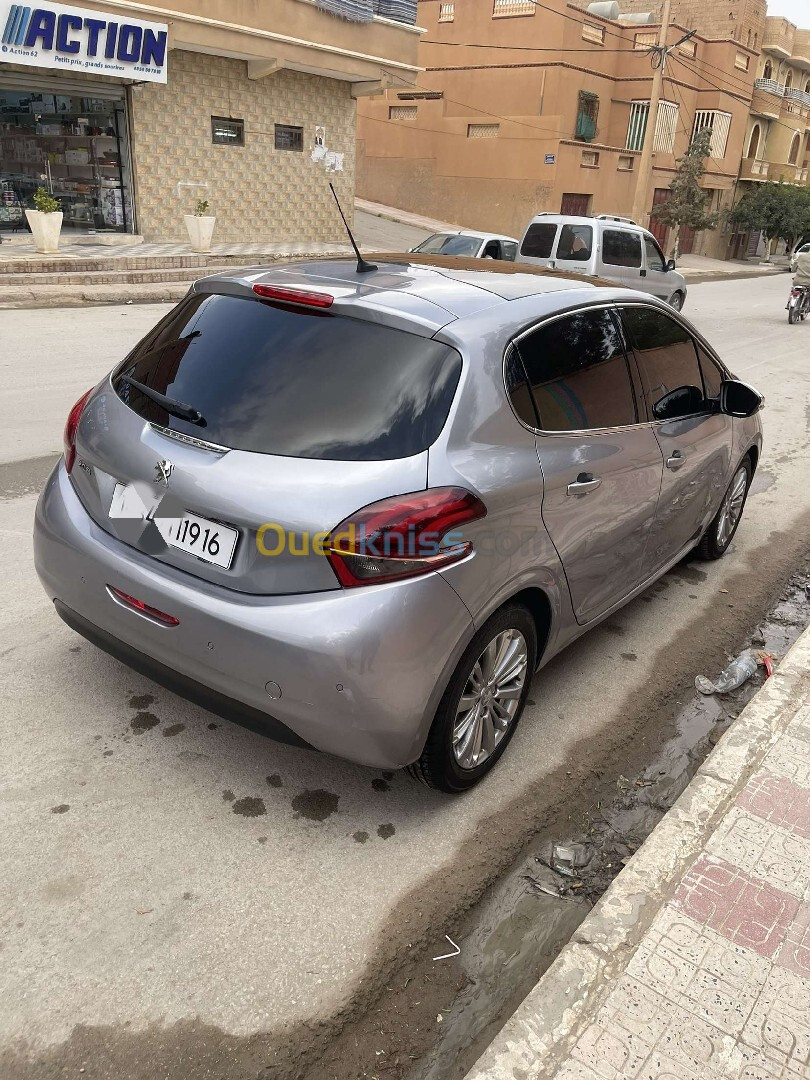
(525,107)
(130,113)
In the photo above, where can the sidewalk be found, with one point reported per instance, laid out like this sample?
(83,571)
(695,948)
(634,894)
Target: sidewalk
(695,964)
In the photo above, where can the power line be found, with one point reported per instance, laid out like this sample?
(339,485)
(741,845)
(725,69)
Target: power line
(596,51)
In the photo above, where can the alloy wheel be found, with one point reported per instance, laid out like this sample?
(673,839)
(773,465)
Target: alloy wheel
(732,507)
(490,698)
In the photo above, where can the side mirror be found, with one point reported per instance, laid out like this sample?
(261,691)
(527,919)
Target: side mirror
(683,401)
(670,264)
(739,399)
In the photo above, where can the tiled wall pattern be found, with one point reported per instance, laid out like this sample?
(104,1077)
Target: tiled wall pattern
(258,193)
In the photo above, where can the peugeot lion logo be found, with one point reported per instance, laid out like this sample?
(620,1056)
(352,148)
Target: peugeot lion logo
(163,471)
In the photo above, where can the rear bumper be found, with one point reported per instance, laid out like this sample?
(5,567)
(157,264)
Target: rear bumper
(360,671)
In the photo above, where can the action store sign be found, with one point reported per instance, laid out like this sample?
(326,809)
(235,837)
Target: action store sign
(77,39)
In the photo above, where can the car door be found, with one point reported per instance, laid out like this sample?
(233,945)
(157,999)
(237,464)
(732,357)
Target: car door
(622,257)
(694,436)
(601,467)
(657,279)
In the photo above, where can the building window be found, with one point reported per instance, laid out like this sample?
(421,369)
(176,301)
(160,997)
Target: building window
(665,128)
(225,131)
(794,149)
(401,112)
(645,39)
(593,33)
(446,12)
(587,115)
(688,48)
(590,159)
(719,123)
(289,138)
(753,143)
(483,131)
(501,8)
(742,61)
(767,71)
(625,163)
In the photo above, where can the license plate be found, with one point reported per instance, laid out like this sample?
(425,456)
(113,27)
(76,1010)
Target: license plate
(208,540)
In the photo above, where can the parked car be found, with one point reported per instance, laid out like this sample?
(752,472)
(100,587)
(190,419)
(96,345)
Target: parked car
(469,245)
(612,248)
(800,249)
(358,511)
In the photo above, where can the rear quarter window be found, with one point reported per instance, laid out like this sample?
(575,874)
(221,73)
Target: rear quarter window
(297,383)
(538,243)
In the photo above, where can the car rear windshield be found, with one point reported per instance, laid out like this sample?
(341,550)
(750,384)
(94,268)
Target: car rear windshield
(444,244)
(275,380)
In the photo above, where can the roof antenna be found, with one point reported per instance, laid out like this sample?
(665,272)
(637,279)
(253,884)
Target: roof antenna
(363,267)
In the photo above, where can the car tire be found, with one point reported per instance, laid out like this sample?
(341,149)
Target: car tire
(676,301)
(448,762)
(715,541)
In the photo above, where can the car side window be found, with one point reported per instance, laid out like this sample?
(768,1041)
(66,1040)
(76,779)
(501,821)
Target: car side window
(538,243)
(578,373)
(575,243)
(655,257)
(621,248)
(668,361)
(517,388)
(509,250)
(713,374)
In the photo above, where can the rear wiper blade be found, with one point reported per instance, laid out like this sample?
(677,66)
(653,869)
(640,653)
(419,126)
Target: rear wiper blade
(171,405)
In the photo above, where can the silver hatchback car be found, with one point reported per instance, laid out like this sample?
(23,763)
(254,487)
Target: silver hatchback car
(358,511)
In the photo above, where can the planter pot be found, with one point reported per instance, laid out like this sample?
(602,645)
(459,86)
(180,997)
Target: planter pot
(46,229)
(200,231)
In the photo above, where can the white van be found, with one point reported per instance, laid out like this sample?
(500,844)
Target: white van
(613,248)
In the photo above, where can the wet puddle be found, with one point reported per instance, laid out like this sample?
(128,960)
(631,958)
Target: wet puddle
(522,923)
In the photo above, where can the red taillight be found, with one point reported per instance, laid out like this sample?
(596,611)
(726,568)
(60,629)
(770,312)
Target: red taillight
(403,536)
(70,429)
(294,296)
(140,606)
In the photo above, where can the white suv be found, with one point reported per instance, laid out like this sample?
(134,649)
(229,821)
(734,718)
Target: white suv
(612,248)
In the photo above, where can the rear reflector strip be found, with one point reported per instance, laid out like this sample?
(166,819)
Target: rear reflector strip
(138,606)
(294,296)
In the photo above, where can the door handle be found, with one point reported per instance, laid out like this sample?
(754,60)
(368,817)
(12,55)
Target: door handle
(584,483)
(677,459)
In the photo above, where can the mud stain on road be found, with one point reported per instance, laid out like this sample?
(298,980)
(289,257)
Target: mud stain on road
(61,809)
(380,785)
(173,729)
(275,781)
(360,836)
(141,701)
(385,832)
(249,807)
(315,805)
(228,795)
(144,721)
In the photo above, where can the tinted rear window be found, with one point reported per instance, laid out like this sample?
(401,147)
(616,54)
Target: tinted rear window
(539,240)
(274,380)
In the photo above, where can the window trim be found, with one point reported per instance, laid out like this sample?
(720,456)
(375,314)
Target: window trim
(629,359)
(288,128)
(664,309)
(232,121)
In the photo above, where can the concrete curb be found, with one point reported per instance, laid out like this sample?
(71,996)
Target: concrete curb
(540,1034)
(63,296)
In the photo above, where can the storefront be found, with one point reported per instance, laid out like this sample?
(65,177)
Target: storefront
(62,127)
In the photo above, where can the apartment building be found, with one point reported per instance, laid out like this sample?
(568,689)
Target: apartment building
(129,113)
(777,142)
(525,107)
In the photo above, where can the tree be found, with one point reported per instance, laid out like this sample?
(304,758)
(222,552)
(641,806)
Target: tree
(779,211)
(687,202)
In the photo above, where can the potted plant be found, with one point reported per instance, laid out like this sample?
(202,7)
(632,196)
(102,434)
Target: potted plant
(45,222)
(200,226)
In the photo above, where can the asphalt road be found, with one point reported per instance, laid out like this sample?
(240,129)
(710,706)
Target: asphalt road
(181,898)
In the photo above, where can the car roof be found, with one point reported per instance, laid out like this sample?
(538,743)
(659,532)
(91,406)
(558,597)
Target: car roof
(479,233)
(420,293)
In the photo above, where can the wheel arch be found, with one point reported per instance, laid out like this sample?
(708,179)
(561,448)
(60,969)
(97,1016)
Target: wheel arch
(539,606)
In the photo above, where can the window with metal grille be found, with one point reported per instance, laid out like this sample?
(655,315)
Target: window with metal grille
(483,131)
(587,115)
(402,112)
(446,12)
(645,39)
(719,124)
(512,7)
(289,138)
(665,128)
(593,33)
(225,131)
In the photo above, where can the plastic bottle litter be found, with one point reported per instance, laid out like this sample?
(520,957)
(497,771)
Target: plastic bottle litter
(737,672)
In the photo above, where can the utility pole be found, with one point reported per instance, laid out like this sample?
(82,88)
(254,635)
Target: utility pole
(640,206)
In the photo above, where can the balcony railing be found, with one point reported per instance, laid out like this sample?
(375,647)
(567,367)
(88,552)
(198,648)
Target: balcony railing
(801,175)
(798,95)
(754,169)
(770,86)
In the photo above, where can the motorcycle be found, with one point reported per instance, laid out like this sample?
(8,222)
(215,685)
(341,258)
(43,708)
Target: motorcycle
(798,306)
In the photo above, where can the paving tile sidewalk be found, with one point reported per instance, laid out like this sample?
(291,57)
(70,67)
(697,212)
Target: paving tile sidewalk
(695,965)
